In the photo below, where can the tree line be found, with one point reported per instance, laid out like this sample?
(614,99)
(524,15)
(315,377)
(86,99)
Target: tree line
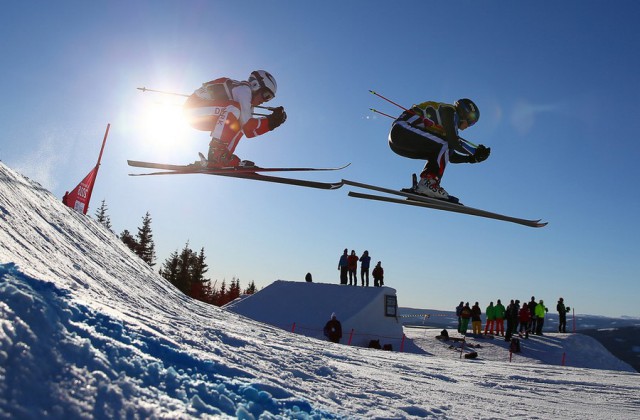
(184,269)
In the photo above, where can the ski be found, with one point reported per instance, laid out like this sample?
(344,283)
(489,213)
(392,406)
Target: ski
(258,177)
(433,203)
(195,168)
(284,180)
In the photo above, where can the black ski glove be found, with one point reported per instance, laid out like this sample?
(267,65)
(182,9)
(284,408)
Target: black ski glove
(481,154)
(277,117)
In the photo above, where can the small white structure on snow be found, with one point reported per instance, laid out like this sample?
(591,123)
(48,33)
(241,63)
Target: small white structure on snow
(366,313)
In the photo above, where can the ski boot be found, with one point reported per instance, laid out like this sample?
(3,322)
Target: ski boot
(430,187)
(234,162)
(220,157)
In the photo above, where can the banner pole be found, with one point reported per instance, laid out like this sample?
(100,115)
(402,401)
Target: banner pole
(104,141)
(95,174)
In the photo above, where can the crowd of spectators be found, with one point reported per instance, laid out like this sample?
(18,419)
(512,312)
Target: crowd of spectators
(523,320)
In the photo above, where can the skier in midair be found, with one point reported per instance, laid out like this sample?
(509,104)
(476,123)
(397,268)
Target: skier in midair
(430,131)
(224,107)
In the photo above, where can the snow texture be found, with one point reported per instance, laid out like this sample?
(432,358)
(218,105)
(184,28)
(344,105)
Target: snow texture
(89,331)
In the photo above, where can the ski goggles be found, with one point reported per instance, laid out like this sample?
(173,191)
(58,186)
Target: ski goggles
(267,95)
(471,118)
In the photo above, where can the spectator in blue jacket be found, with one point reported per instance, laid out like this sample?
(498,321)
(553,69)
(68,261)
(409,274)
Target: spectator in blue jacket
(343,266)
(365,260)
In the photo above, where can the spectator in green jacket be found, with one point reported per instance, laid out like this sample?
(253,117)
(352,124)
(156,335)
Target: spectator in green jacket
(500,313)
(465,316)
(541,311)
(491,318)
(459,313)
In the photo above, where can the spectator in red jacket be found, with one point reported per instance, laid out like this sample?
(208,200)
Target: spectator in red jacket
(378,275)
(352,264)
(524,316)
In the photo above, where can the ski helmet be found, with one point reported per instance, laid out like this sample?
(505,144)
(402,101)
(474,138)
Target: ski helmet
(467,111)
(261,80)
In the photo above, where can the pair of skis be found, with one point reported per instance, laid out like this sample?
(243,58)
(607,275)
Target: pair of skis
(246,172)
(434,203)
(199,167)
(257,173)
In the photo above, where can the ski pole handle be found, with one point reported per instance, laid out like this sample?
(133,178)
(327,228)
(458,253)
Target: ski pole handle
(270,108)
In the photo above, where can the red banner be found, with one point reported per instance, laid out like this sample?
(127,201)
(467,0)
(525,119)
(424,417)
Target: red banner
(79,198)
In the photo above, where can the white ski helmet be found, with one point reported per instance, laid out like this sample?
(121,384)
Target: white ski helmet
(261,79)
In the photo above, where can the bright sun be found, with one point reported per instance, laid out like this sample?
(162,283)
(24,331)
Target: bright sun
(164,125)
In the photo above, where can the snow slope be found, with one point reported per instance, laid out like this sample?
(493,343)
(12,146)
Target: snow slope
(89,331)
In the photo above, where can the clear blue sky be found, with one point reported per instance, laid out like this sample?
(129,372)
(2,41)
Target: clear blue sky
(557,84)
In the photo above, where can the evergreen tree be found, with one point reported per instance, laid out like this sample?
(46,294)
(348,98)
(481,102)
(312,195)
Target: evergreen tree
(102,217)
(199,267)
(251,289)
(199,285)
(214,294)
(234,290)
(222,294)
(186,272)
(146,248)
(185,263)
(169,268)
(129,240)
(207,292)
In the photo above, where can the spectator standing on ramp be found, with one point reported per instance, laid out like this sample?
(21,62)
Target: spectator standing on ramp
(343,266)
(365,261)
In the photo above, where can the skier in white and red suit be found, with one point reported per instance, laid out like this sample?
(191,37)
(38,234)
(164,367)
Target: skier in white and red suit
(224,107)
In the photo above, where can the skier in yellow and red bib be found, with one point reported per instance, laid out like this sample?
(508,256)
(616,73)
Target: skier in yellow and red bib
(429,131)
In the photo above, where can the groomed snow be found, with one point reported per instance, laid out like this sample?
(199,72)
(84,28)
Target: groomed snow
(90,331)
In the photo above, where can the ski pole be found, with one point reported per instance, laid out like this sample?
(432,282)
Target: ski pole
(390,101)
(382,113)
(468,142)
(144,89)
(426,121)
